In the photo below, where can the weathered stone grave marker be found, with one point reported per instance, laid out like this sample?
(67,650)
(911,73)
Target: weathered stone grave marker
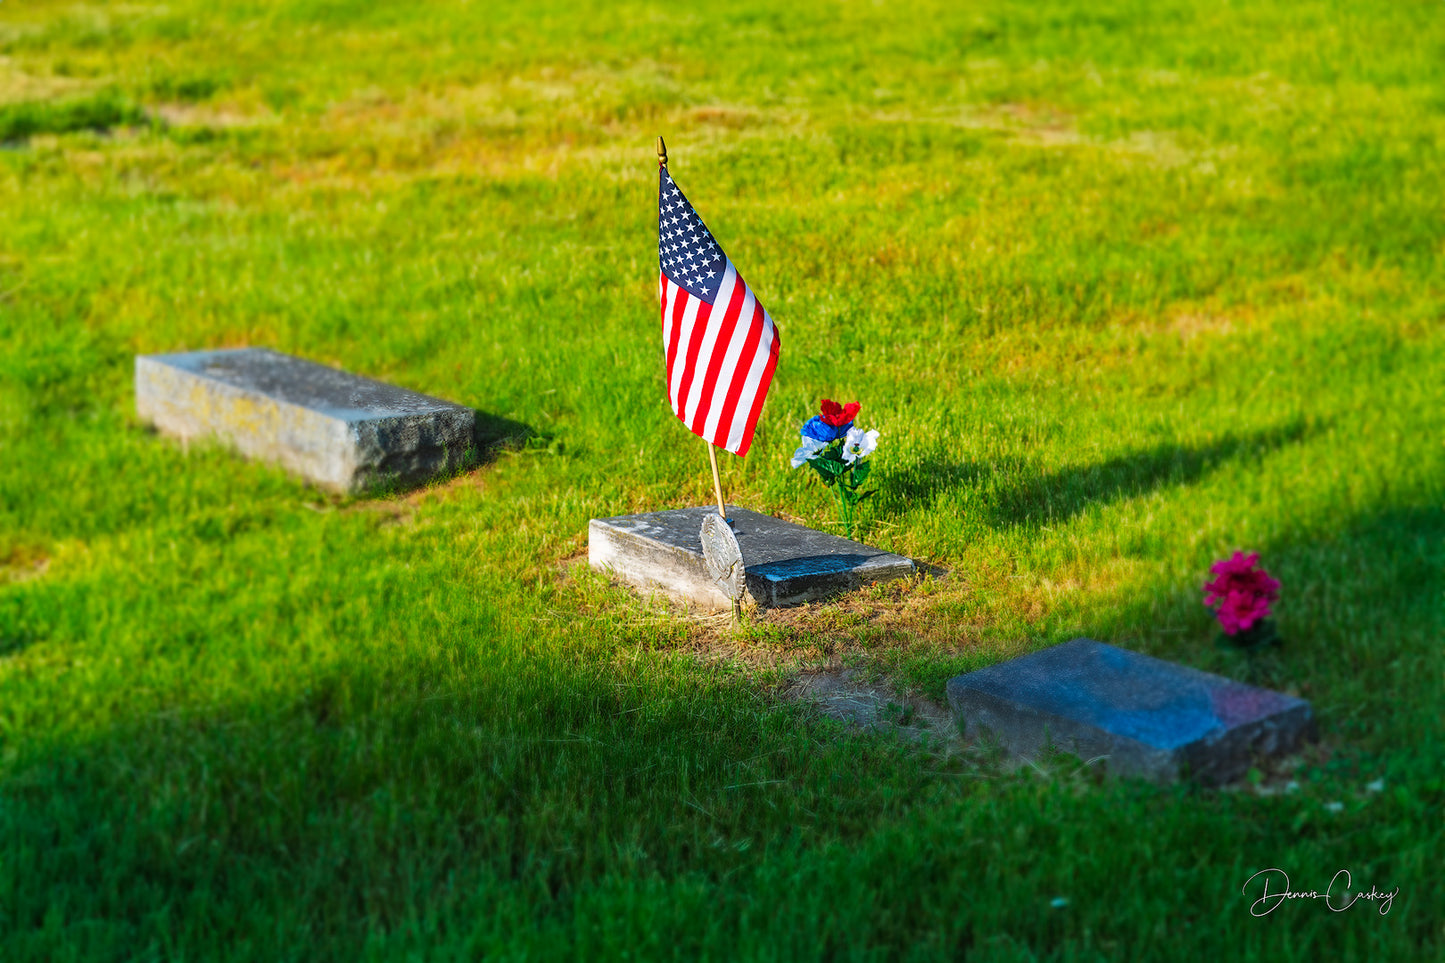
(338,430)
(784,563)
(1149,717)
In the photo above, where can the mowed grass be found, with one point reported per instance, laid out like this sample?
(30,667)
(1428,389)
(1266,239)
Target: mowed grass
(1125,286)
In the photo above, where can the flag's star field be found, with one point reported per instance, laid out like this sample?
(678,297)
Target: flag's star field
(686,250)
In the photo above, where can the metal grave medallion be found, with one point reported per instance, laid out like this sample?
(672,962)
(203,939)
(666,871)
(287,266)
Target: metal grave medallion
(723,557)
(784,563)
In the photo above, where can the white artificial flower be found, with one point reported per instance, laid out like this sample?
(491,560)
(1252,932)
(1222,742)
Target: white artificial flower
(810,447)
(859,444)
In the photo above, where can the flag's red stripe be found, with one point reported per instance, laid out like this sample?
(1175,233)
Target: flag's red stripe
(719,353)
(694,347)
(763,383)
(740,374)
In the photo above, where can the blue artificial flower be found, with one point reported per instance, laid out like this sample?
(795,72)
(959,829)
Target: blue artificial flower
(820,430)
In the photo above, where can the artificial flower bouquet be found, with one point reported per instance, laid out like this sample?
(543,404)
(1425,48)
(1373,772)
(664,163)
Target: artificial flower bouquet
(838,452)
(1241,594)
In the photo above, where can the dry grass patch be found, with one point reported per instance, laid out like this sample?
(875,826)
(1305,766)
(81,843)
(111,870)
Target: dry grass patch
(19,563)
(17,85)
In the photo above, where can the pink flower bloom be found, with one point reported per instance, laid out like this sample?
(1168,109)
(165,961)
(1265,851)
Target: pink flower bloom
(1240,610)
(1240,593)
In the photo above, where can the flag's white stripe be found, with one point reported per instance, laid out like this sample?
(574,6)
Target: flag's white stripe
(679,364)
(750,387)
(719,308)
(662,310)
(668,296)
(709,345)
(729,373)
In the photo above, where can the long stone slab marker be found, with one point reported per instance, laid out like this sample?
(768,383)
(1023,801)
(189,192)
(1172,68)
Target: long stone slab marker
(339,430)
(1149,717)
(786,564)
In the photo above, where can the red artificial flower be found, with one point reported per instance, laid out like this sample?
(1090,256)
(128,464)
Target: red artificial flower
(1241,592)
(839,415)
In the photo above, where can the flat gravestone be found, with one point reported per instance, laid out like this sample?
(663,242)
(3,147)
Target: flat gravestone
(1148,717)
(784,563)
(338,430)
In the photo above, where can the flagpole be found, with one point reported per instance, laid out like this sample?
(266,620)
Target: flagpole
(711,451)
(716,481)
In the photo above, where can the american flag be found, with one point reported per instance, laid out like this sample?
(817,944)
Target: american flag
(721,345)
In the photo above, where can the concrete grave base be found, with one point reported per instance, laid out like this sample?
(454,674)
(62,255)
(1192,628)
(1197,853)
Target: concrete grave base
(1146,717)
(786,564)
(338,430)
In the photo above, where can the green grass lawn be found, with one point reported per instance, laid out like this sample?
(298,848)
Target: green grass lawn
(1125,286)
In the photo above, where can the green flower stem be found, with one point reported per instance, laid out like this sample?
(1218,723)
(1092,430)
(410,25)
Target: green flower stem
(846,478)
(847,509)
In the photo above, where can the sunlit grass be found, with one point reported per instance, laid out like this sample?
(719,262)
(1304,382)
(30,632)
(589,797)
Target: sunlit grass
(1124,288)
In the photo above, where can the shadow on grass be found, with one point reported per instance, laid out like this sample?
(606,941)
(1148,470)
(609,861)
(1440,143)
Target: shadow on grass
(99,112)
(1360,612)
(494,433)
(14,635)
(491,435)
(445,788)
(1012,492)
(430,784)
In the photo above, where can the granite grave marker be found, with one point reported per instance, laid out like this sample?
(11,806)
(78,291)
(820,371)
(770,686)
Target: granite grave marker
(1147,717)
(338,430)
(783,563)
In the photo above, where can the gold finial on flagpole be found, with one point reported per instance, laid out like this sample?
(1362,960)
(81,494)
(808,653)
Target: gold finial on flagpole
(722,555)
(711,453)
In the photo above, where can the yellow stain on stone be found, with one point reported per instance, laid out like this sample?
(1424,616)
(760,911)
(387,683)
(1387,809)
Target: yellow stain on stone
(338,430)
(190,407)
